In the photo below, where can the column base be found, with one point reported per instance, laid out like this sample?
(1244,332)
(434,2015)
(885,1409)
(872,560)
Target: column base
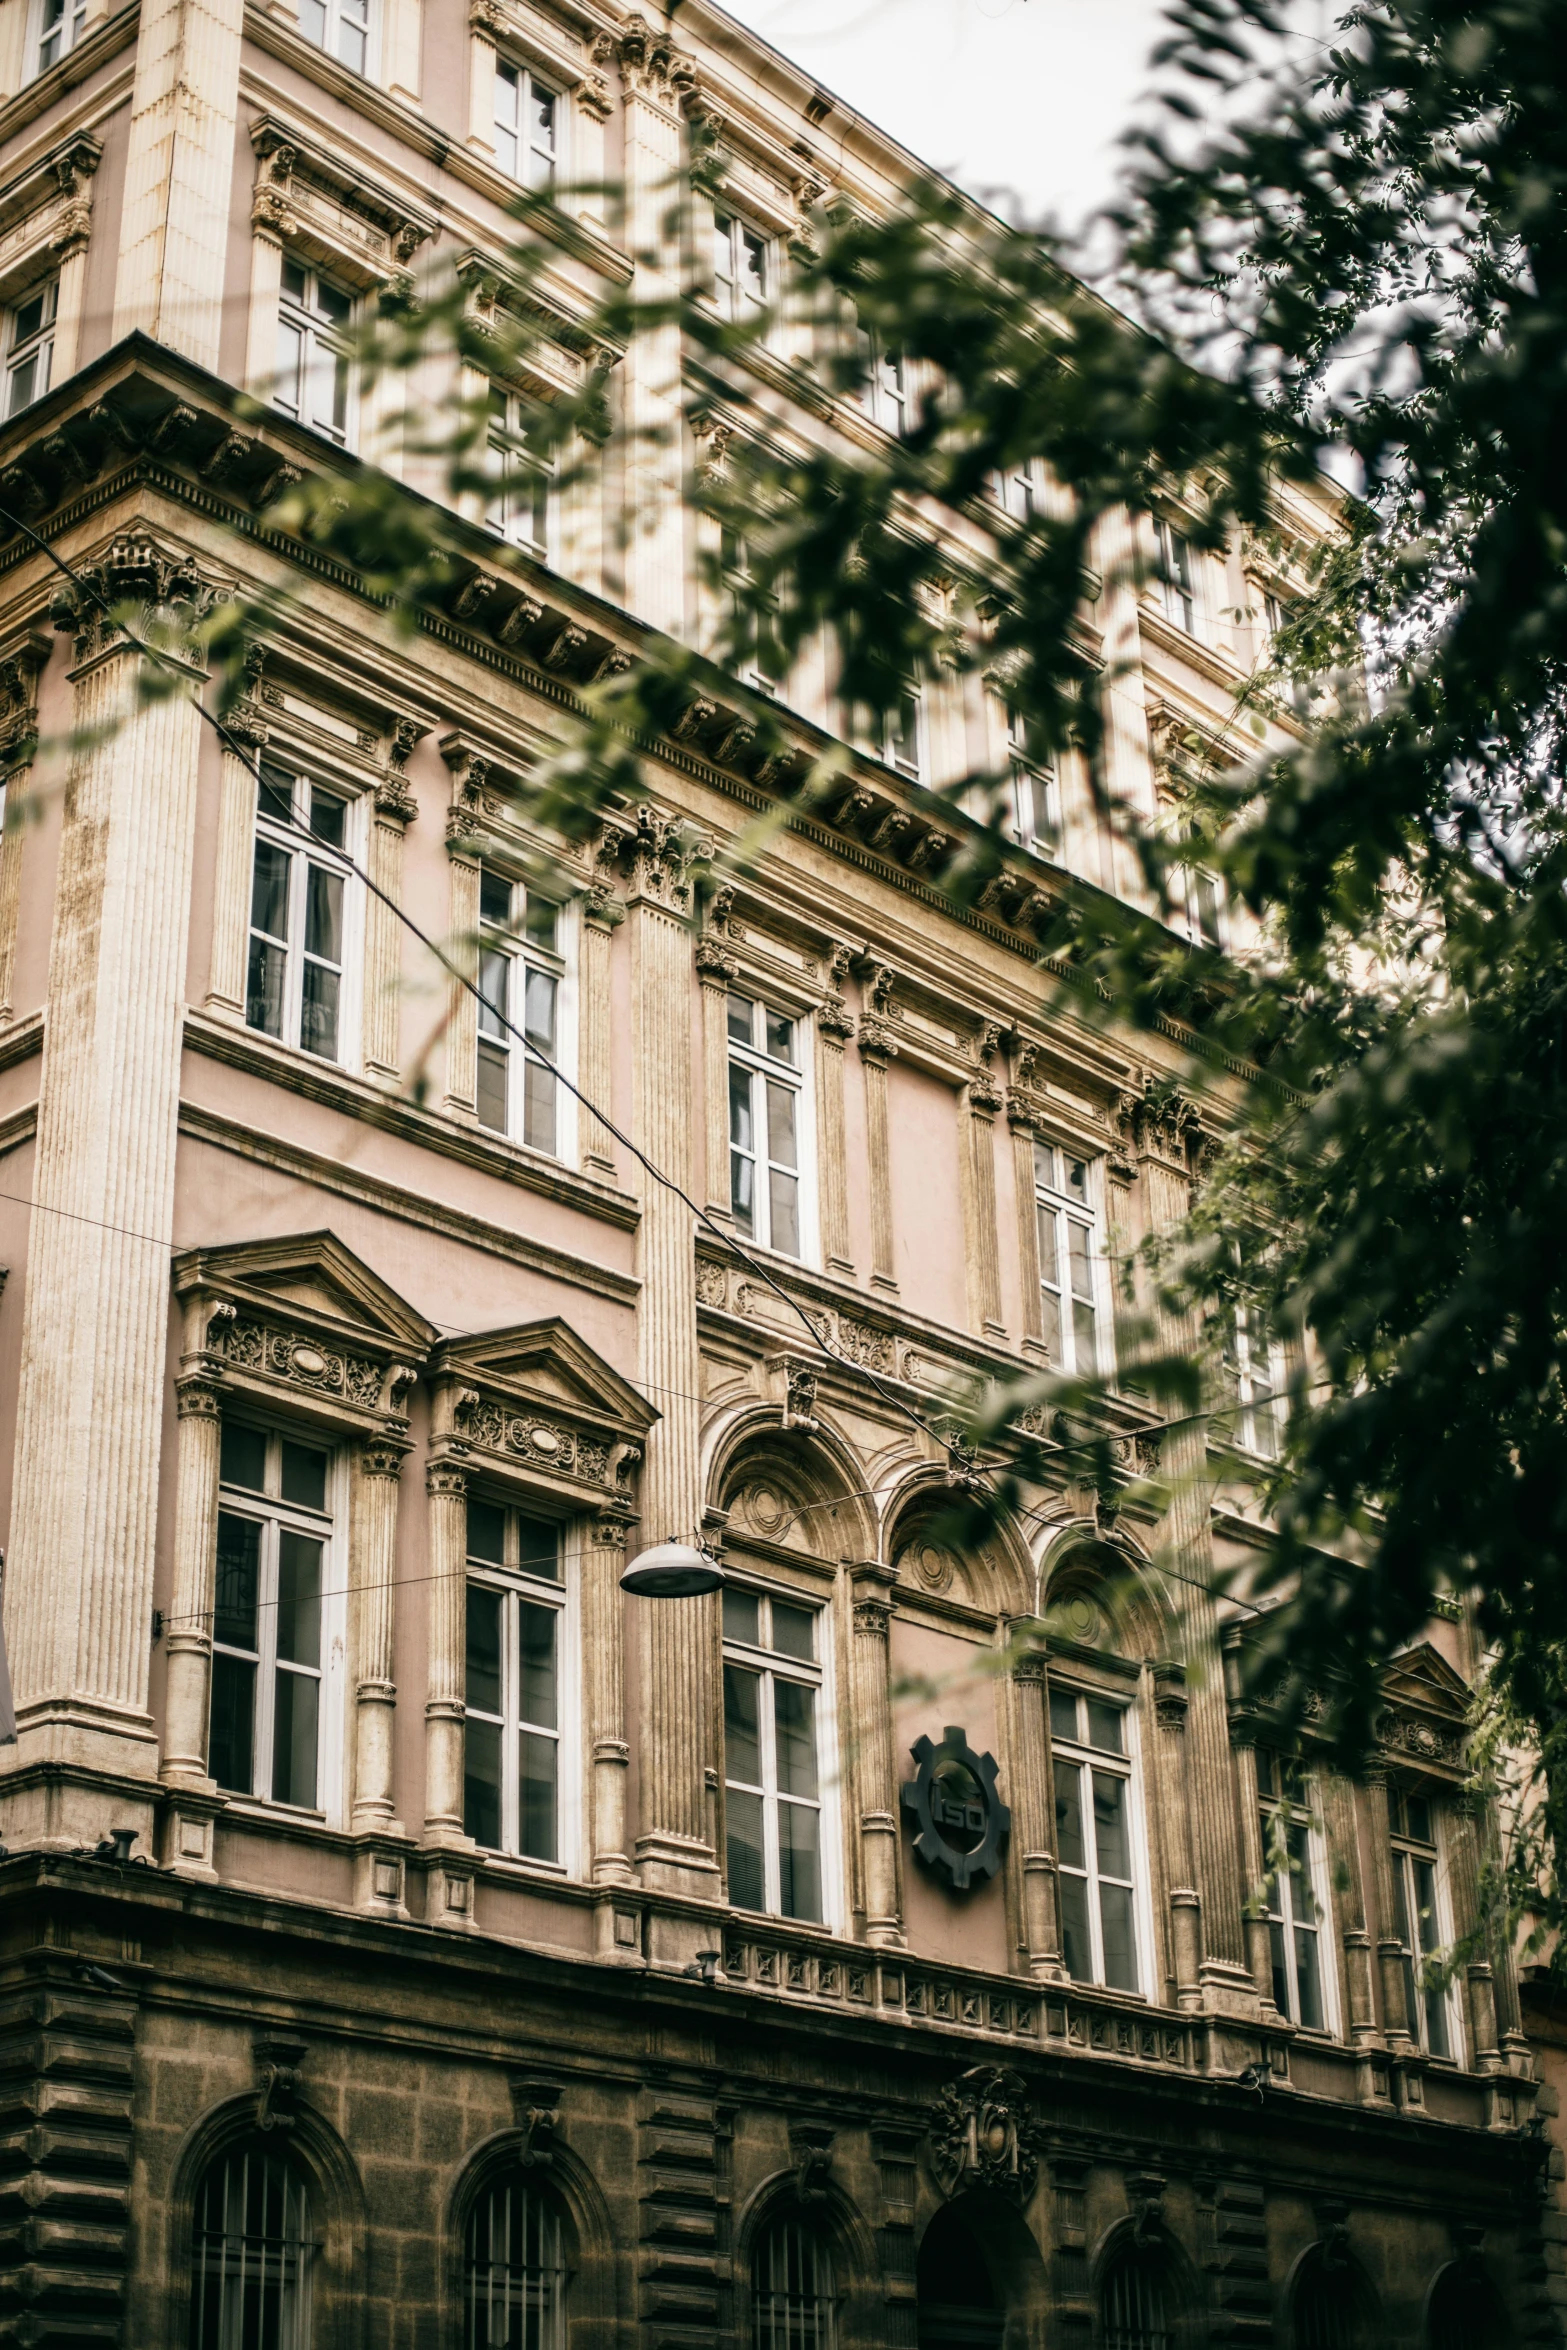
(381,1874)
(53,1806)
(77,1736)
(1227,1989)
(187,1829)
(676,1864)
(449,1875)
(617,1932)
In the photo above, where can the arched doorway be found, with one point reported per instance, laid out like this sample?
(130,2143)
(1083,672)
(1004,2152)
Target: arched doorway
(959,2306)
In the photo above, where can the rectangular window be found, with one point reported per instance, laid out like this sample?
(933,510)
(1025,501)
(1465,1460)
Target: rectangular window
(29,346)
(294,978)
(516,1601)
(527,125)
(1019,491)
(883,383)
(742,268)
(1252,1375)
(1036,795)
(523,469)
(314,380)
(341,28)
(772,1793)
(1204,906)
(903,735)
(766,1103)
(61,24)
(1096,1858)
(755,619)
(520,978)
(1292,1857)
(274,1528)
(1173,568)
(1071,1323)
(1419,1917)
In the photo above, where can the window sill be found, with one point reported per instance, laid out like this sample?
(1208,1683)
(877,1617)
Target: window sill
(261,1811)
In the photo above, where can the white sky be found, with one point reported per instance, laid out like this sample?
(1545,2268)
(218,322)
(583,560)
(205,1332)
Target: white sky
(1021,101)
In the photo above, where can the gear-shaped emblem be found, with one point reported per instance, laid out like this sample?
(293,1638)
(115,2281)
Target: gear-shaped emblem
(961,1819)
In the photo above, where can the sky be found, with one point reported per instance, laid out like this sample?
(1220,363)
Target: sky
(1020,101)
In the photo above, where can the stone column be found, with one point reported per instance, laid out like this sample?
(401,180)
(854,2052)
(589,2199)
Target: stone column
(394,810)
(1171,1706)
(20,670)
(446,1491)
(231,880)
(874,1781)
(674,1848)
(602,912)
(179,171)
(378,1875)
(1021,1114)
(95,1319)
(878,1049)
(464,840)
(834,1027)
(1034,1818)
(982,1099)
(1259,1948)
(605,1543)
(717,969)
(1390,1951)
(1463,1857)
(402,30)
(185,1831)
(1348,1900)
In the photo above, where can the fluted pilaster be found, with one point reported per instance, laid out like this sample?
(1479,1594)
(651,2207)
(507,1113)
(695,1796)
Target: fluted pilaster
(834,1026)
(394,810)
(378,1468)
(981,1100)
(1034,1820)
(446,1504)
(605,1545)
(602,912)
(873,1777)
(1171,1706)
(878,1049)
(1396,2019)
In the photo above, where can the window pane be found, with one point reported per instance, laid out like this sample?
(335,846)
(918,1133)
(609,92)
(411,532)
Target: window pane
(481,1798)
(1079,1256)
(269,890)
(495,990)
(1306,1975)
(536,1665)
(1425,1905)
(243,1458)
(494,889)
(1417,1818)
(742,1725)
(1049,1264)
(782,1143)
(1111,1840)
(298,1598)
(487,1532)
(1050,1323)
(780,1038)
(490,1092)
(783,1210)
(794,1728)
(1076,1948)
(541,920)
(539,1013)
(318,1011)
(1106,1726)
(324,915)
(328,815)
(238,1581)
(304,1475)
(1120,1947)
(538,1548)
(747,1882)
(536,1797)
(740,1130)
(741,1010)
(1063,1714)
(231,1747)
(799,1862)
(483,1689)
(742,1617)
(794,1629)
(540,1092)
(1083,1338)
(1070,1848)
(294,1738)
(1281,1981)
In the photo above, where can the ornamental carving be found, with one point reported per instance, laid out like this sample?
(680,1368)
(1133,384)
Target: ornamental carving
(302,191)
(166,589)
(658,854)
(277,2063)
(492,1427)
(19,675)
(873,1350)
(286,1354)
(1421,1739)
(984,2134)
(959,1818)
(712,1284)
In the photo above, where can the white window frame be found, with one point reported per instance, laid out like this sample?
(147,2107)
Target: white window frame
(335,25)
(1067,1199)
(1412,1852)
(510,946)
(532,163)
(522,509)
(1254,1375)
(1287,1807)
(276,1516)
(1202,907)
(304,851)
(44,24)
(1175,569)
(752,1065)
(884,391)
(515,1586)
(773,1665)
(1019,490)
(735,242)
(1126,1766)
(902,744)
(321,355)
(34,349)
(1035,783)
(734,558)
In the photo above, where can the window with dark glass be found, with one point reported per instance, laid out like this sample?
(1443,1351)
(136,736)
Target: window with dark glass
(742,267)
(772,1791)
(520,976)
(274,1528)
(1134,2303)
(314,379)
(793,2303)
(515,2275)
(1291,1857)
(29,346)
(516,1601)
(294,975)
(253,2250)
(1096,1856)
(61,24)
(1173,568)
(1420,1916)
(765,1107)
(522,467)
(1036,794)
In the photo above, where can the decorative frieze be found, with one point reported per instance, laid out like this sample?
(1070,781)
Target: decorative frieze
(304,196)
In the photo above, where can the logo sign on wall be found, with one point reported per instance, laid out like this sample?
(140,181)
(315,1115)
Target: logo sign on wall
(960,1820)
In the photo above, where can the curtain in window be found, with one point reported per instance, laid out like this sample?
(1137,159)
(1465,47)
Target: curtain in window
(793,2289)
(516,2269)
(252,2256)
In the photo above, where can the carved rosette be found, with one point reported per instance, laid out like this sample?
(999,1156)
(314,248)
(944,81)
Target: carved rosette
(984,2134)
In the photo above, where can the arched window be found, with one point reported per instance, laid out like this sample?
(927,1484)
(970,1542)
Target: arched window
(792,2290)
(515,2277)
(1325,2306)
(959,2308)
(1464,2313)
(1135,2303)
(253,2251)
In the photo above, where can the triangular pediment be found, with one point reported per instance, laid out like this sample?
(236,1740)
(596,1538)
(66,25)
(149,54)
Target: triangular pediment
(309,1278)
(546,1363)
(1423,1677)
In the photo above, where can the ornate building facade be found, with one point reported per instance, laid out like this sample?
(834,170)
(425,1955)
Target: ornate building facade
(405,1937)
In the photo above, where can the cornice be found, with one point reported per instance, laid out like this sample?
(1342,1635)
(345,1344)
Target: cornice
(105,40)
(21,1039)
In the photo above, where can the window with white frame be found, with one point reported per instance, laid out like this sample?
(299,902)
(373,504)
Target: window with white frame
(294,984)
(883,390)
(1019,489)
(1097,1859)
(274,1536)
(61,24)
(513,1766)
(29,346)
(342,28)
(1036,793)
(1292,1905)
(1174,569)
(772,1766)
(314,381)
(742,268)
(755,616)
(1252,1371)
(1201,901)
(522,504)
(902,744)
(1420,1917)
(766,1105)
(521,974)
(527,126)
(1072,1324)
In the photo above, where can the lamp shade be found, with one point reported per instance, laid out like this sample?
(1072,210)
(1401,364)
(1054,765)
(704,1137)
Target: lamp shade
(673,1570)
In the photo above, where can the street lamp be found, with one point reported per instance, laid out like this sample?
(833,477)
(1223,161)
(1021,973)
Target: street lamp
(673,1570)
